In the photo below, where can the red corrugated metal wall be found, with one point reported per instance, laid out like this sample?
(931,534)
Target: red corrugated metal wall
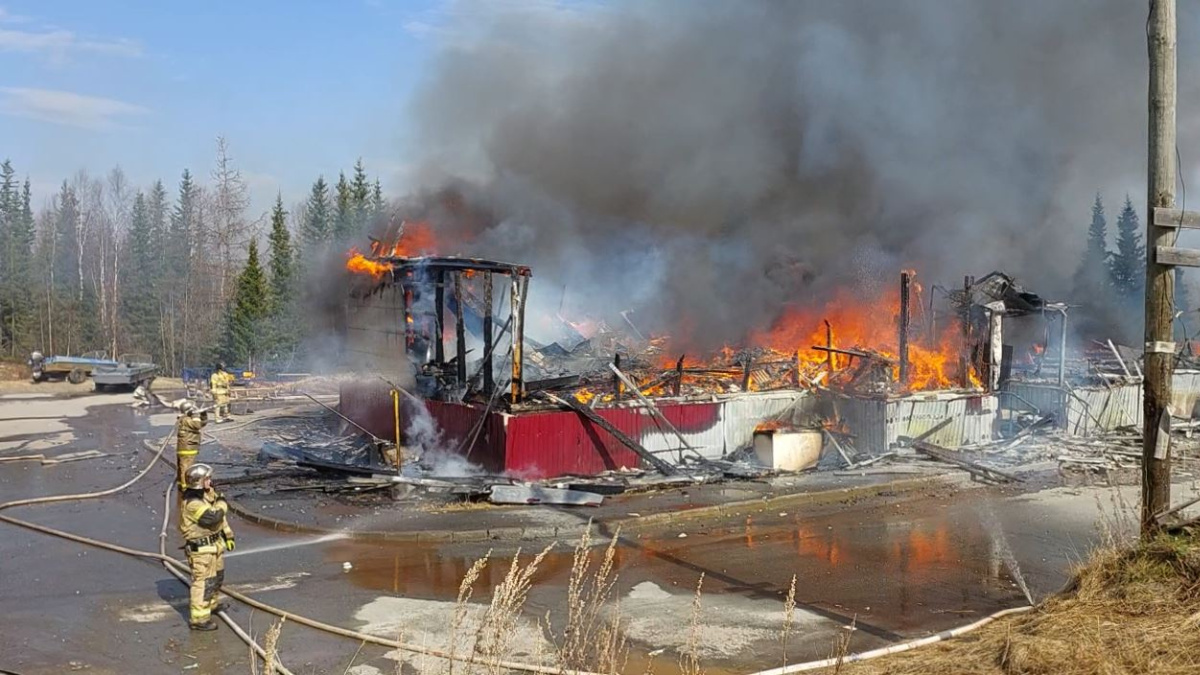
(559,443)
(456,421)
(536,444)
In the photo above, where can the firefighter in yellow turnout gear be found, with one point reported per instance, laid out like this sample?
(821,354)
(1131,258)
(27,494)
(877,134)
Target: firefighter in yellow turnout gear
(219,383)
(207,536)
(187,443)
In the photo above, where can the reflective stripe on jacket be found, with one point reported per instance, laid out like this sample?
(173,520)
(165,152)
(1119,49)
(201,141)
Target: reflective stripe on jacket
(188,438)
(202,516)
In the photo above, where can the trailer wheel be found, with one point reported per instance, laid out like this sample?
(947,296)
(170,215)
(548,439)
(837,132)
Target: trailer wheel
(77,376)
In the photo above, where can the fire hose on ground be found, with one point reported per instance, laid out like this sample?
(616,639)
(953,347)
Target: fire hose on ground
(180,569)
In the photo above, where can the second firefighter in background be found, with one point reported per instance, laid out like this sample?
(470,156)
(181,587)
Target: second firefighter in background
(187,443)
(219,383)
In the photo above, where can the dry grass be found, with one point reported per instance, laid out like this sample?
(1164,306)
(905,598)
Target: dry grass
(689,660)
(499,622)
(789,619)
(270,649)
(1126,611)
(592,639)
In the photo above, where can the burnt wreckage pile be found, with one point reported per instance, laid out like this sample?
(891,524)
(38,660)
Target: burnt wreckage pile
(988,369)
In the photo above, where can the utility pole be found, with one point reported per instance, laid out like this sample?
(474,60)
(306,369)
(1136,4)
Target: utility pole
(1160,282)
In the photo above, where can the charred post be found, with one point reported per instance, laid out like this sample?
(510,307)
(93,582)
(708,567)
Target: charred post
(905,285)
(460,332)
(439,308)
(747,364)
(965,358)
(520,286)
(410,334)
(489,383)
(618,388)
(796,368)
(677,387)
(830,359)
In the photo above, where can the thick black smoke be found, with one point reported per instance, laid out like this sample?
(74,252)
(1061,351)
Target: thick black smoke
(710,162)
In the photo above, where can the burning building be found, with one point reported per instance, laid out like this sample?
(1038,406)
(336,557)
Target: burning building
(866,371)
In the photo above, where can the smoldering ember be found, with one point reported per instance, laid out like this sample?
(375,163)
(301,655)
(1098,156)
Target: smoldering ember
(671,337)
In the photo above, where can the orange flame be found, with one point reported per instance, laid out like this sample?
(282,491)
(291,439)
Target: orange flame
(415,239)
(857,322)
(359,264)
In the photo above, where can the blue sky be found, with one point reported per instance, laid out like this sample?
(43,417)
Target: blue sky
(298,88)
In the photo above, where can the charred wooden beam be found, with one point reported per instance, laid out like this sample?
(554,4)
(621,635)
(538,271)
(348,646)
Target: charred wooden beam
(520,289)
(616,381)
(460,333)
(830,359)
(488,377)
(439,310)
(675,388)
(905,284)
(853,352)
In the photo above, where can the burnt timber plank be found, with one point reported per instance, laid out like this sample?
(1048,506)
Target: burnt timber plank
(1189,220)
(1182,257)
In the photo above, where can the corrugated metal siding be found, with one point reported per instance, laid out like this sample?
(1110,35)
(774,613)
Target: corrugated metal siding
(972,418)
(1039,398)
(741,415)
(369,404)
(456,421)
(1185,392)
(701,423)
(1092,409)
(554,443)
(1087,409)
(547,444)
(877,424)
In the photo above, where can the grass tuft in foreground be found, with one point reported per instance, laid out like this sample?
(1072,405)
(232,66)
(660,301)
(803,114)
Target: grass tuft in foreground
(1131,610)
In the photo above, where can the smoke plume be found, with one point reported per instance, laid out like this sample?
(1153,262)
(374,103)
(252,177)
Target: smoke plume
(710,162)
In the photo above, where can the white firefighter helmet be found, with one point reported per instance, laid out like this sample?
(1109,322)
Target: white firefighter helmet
(195,475)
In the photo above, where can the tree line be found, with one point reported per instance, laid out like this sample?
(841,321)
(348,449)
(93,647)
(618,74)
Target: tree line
(1120,273)
(106,265)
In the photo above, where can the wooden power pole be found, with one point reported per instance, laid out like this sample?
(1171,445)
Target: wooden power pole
(1160,281)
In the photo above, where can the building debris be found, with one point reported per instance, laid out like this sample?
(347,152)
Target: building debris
(534,494)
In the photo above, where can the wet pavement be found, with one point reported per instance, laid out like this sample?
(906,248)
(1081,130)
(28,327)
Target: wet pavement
(892,568)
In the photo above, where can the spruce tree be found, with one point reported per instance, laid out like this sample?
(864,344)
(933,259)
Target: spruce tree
(283,293)
(378,206)
(9,208)
(343,227)
(65,245)
(1092,275)
(139,292)
(20,321)
(181,233)
(316,228)
(1127,268)
(245,337)
(360,190)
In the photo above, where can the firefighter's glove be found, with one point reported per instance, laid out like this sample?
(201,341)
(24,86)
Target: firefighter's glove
(229,544)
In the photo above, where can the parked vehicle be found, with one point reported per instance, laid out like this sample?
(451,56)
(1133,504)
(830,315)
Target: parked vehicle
(74,369)
(128,372)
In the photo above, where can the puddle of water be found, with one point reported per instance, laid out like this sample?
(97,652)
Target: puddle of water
(896,572)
